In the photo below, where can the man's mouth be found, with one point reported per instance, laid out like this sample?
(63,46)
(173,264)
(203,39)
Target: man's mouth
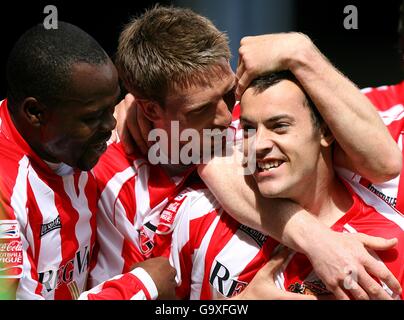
(267,165)
(100,144)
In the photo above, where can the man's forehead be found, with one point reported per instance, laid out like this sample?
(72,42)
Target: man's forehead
(201,91)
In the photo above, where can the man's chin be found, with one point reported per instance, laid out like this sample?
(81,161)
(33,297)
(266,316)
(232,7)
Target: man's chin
(268,192)
(88,164)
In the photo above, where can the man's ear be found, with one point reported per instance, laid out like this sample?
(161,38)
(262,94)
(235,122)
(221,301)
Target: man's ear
(327,138)
(34,111)
(151,109)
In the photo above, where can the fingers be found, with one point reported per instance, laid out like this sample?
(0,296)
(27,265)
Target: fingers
(129,99)
(380,271)
(340,294)
(376,243)
(374,289)
(145,126)
(134,131)
(239,86)
(351,284)
(276,262)
(243,83)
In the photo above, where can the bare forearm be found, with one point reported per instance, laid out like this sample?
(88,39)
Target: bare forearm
(351,117)
(282,219)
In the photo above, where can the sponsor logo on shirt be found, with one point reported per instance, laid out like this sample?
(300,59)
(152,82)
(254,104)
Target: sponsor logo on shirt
(48,227)
(220,280)
(9,229)
(257,236)
(54,278)
(392,201)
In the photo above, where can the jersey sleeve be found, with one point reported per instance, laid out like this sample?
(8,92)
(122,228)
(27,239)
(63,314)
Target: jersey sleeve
(194,219)
(134,285)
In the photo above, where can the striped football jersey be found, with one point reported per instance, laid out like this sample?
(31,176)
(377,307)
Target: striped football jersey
(216,257)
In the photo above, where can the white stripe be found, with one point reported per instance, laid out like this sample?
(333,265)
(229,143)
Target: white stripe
(111,216)
(109,259)
(395,113)
(366,90)
(26,286)
(112,189)
(280,274)
(83,228)
(123,224)
(246,249)
(147,281)
(139,296)
(381,207)
(141,192)
(198,270)
(50,256)
(18,199)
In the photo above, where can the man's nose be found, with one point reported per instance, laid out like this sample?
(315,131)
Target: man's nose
(223,115)
(108,122)
(263,144)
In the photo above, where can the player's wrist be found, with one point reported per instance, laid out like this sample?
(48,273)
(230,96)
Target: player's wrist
(298,239)
(303,56)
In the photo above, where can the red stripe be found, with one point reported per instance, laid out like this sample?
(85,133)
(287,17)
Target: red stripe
(185,256)
(92,199)
(69,244)
(35,220)
(130,255)
(123,288)
(400,191)
(198,228)
(128,200)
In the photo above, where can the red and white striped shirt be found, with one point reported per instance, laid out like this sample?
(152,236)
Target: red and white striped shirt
(389,100)
(48,226)
(133,194)
(47,221)
(217,257)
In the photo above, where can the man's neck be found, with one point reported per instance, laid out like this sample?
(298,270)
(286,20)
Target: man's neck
(328,200)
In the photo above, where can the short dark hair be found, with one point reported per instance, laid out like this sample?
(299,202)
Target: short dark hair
(40,62)
(262,83)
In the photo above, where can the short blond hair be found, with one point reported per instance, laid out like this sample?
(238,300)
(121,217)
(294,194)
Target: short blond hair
(167,48)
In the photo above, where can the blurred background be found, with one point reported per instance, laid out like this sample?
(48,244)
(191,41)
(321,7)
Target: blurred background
(368,56)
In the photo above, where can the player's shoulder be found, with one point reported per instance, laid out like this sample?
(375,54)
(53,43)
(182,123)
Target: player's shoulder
(200,200)
(387,96)
(113,161)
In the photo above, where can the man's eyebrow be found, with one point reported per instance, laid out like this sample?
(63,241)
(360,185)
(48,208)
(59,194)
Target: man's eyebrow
(98,112)
(201,105)
(271,119)
(280,117)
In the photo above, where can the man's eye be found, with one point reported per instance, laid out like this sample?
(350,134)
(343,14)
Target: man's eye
(91,120)
(200,110)
(281,127)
